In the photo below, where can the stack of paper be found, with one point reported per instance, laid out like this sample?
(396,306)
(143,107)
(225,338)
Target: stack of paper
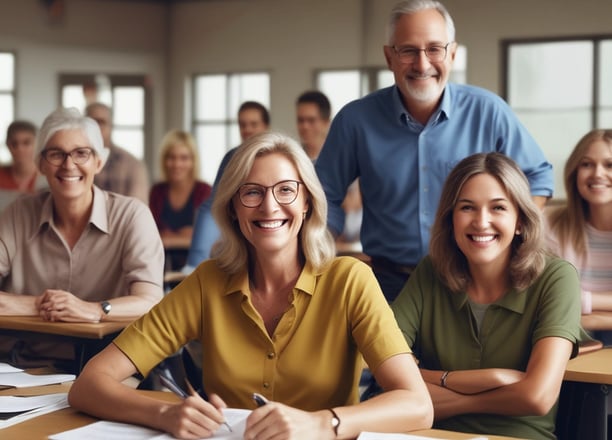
(16,409)
(15,377)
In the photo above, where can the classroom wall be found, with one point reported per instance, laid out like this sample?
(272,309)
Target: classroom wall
(92,36)
(290,38)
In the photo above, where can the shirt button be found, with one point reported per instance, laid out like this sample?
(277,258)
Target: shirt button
(266,385)
(271,355)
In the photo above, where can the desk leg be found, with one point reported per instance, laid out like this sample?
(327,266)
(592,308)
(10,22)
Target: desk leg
(583,411)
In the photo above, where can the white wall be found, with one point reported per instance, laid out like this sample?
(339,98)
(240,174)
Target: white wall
(289,38)
(93,36)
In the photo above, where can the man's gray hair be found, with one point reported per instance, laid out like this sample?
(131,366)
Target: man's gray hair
(412,6)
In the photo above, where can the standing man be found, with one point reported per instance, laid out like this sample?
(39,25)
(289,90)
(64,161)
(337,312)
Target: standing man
(253,118)
(313,116)
(403,140)
(123,173)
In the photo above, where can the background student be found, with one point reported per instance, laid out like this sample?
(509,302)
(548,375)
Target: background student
(175,200)
(123,173)
(21,174)
(74,253)
(581,230)
(490,316)
(253,118)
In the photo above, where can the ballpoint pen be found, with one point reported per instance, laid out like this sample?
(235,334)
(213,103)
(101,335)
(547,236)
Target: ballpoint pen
(169,383)
(259,399)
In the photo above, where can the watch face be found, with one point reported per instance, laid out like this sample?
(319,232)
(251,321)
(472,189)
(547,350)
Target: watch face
(106,307)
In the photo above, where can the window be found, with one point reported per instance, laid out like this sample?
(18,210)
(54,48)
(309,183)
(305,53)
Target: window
(217,98)
(560,89)
(344,86)
(125,94)
(7,98)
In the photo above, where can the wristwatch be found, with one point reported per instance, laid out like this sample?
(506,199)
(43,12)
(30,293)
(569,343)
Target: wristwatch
(106,307)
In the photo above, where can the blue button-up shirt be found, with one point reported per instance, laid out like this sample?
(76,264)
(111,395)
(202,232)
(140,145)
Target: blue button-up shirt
(402,164)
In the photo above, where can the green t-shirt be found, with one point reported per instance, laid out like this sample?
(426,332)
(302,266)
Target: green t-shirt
(439,327)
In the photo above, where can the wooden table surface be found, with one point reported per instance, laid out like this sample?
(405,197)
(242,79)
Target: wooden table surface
(97,330)
(39,428)
(594,367)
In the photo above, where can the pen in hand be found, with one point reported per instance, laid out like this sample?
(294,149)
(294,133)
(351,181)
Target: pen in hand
(259,399)
(169,383)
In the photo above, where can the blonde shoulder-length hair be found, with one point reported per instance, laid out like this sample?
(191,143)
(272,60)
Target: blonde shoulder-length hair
(179,137)
(316,243)
(568,222)
(528,256)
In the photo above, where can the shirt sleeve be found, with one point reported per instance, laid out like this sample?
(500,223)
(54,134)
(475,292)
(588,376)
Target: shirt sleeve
(372,324)
(143,256)
(336,167)
(8,236)
(559,305)
(169,325)
(514,140)
(408,305)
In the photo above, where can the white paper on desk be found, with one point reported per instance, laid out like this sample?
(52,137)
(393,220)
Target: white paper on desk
(386,436)
(104,430)
(33,406)
(7,368)
(23,379)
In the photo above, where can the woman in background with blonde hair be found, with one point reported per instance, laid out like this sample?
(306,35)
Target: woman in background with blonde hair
(581,230)
(174,201)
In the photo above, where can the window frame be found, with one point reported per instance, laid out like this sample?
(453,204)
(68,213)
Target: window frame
(5,156)
(596,39)
(120,80)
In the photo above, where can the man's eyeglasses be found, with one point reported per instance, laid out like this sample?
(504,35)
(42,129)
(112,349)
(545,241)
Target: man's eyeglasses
(434,53)
(285,192)
(57,157)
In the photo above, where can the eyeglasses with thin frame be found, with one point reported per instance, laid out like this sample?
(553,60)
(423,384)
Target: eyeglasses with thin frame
(285,192)
(434,53)
(57,157)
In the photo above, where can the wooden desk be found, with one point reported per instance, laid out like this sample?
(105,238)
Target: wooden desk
(595,367)
(43,426)
(598,320)
(583,403)
(83,335)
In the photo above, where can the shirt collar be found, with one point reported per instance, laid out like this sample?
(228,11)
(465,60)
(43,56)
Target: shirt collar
(99,215)
(513,300)
(240,282)
(443,111)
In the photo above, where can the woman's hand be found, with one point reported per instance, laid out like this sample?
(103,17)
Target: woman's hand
(59,305)
(281,422)
(194,417)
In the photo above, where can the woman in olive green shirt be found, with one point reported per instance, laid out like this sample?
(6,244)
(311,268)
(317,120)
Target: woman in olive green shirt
(491,318)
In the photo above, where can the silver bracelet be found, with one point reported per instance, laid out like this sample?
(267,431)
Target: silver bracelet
(443,379)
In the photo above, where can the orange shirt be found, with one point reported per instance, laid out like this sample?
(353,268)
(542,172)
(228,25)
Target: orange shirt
(7,181)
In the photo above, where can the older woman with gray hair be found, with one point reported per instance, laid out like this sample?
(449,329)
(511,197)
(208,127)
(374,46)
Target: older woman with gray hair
(75,253)
(277,314)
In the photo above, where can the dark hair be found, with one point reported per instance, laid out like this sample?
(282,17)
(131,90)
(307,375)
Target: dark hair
(527,259)
(16,126)
(254,105)
(317,98)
